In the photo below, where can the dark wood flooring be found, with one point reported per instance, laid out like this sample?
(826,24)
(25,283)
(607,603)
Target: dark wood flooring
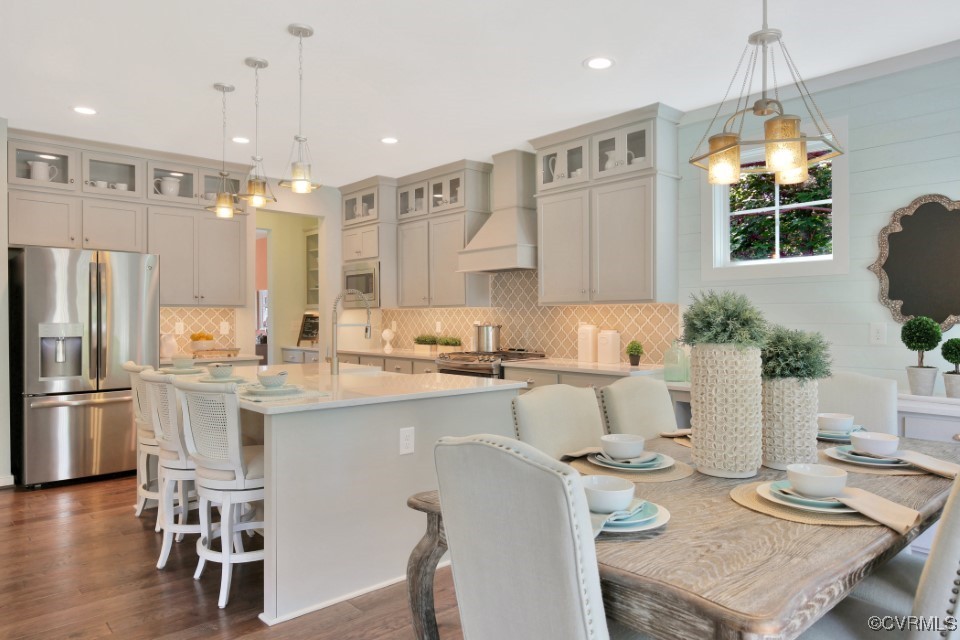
(76,563)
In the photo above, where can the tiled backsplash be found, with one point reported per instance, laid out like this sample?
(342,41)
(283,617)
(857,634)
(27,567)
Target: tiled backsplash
(199,319)
(552,329)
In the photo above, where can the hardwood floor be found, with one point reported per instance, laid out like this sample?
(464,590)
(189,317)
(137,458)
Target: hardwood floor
(76,563)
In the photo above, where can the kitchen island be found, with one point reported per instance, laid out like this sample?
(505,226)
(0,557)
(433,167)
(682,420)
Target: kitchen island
(336,522)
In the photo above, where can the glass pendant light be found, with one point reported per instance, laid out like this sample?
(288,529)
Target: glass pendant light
(783,145)
(257,190)
(724,163)
(223,205)
(300,179)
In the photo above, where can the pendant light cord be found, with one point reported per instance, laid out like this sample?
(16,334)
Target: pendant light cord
(223,139)
(256,111)
(300,121)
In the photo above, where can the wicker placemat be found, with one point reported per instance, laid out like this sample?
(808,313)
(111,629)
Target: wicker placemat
(746,496)
(676,472)
(856,468)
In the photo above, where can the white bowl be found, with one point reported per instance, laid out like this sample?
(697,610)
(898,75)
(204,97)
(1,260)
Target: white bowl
(182,361)
(879,444)
(606,494)
(621,446)
(835,422)
(817,480)
(268,379)
(219,370)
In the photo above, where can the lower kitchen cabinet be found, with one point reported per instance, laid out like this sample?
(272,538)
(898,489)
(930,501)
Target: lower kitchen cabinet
(532,378)
(391,365)
(370,361)
(350,359)
(301,356)
(540,378)
(397,365)
(424,366)
(51,220)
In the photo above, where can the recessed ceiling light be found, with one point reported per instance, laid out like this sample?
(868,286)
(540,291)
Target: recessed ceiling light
(87,111)
(240,140)
(598,63)
(389,140)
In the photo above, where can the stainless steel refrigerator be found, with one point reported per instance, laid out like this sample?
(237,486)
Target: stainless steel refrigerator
(76,317)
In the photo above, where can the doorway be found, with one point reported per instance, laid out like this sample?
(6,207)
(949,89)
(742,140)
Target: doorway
(262,330)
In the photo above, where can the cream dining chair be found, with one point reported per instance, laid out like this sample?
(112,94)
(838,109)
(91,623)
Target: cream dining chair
(558,419)
(872,401)
(148,449)
(638,405)
(521,543)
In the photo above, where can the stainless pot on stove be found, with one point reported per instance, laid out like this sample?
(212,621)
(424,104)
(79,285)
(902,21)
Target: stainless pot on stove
(487,337)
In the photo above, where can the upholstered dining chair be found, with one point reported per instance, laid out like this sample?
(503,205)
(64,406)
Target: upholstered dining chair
(148,449)
(558,419)
(177,471)
(638,405)
(228,474)
(871,400)
(521,543)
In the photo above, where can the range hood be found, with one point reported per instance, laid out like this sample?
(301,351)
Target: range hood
(507,241)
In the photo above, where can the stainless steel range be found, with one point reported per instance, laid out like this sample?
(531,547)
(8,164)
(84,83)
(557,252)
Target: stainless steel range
(482,364)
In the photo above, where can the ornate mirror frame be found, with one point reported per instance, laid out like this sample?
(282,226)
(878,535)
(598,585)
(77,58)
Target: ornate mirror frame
(877,267)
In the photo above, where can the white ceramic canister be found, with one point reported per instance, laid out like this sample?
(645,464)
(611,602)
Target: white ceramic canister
(608,347)
(587,335)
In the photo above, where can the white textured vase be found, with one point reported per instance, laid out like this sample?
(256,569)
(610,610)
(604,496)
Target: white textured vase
(726,407)
(951,384)
(789,422)
(922,380)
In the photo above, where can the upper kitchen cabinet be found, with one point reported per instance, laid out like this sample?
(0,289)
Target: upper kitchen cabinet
(113,225)
(53,220)
(210,185)
(458,186)
(370,200)
(622,150)
(412,200)
(446,193)
(563,165)
(112,175)
(173,183)
(563,251)
(41,165)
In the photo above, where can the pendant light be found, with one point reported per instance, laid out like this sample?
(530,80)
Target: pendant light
(300,179)
(257,190)
(223,205)
(784,145)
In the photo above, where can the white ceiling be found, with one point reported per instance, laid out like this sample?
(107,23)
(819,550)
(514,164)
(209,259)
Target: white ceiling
(449,78)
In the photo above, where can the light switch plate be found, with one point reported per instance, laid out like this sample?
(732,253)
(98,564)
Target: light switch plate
(439,326)
(393,326)
(406,440)
(878,333)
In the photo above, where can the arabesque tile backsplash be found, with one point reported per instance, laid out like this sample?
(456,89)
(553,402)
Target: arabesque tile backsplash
(551,329)
(200,319)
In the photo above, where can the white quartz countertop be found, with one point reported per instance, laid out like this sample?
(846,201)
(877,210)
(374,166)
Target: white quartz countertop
(409,354)
(575,366)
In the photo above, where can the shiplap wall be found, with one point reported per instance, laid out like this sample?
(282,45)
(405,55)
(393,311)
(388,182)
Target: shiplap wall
(903,142)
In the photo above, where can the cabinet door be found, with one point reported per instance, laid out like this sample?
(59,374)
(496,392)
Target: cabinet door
(562,254)
(44,220)
(370,242)
(397,365)
(622,150)
(576,162)
(107,174)
(368,205)
(40,165)
(293,356)
(172,236)
(413,263)
(370,361)
(114,226)
(447,287)
(352,248)
(172,183)
(424,366)
(622,242)
(311,356)
(447,193)
(221,260)
(548,174)
(412,200)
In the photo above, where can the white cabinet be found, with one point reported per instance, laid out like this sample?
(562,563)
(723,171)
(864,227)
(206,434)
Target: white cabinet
(447,287)
(300,356)
(454,187)
(623,150)
(412,200)
(370,200)
(202,258)
(563,165)
(172,182)
(360,207)
(41,165)
(362,243)
(112,175)
(564,247)
(424,366)
(51,220)
(113,225)
(370,361)
(447,192)
(413,264)
(397,365)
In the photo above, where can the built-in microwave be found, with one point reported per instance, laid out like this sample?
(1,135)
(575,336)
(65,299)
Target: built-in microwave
(365,278)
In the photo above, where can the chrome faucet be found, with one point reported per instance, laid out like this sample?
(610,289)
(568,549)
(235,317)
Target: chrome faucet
(334,360)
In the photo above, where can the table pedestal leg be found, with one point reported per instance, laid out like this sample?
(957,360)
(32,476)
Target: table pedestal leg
(421,568)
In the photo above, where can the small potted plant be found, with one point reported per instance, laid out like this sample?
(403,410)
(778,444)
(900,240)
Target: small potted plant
(425,343)
(634,351)
(793,361)
(921,334)
(951,379)
(448,344)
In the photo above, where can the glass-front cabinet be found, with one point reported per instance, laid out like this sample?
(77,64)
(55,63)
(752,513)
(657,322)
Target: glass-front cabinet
(210,185)
(563,165)
(622,150)
(41,165)
(447,193)
(313,269)
(172,183)
(412,200)
(360,206)
(108,174)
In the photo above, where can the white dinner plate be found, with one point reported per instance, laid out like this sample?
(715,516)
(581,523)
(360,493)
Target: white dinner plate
(666,463)
(182,371)
(260,390)
(663,516)
(862,461)
(230,379)
(764,492)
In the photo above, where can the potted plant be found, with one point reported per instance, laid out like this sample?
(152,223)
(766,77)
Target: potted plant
(921,334)
(793,361)
(951,379)
(447,344)
(425,343)
(634,351)
(725,332)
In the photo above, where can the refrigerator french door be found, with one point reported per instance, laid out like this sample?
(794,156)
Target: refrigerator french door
(76,317)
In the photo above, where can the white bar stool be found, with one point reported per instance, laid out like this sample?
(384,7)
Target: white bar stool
(148,449)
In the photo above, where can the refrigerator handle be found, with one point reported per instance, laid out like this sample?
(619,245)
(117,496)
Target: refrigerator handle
(102,311)
(93,322)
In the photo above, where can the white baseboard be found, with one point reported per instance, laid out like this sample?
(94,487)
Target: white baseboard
(6,481)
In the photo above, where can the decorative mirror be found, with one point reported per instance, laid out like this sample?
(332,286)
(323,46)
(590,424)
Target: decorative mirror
(919,263)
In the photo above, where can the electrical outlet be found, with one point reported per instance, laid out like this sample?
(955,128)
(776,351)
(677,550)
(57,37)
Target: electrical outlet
(224,328)
(878,333)
(178,328)
(393,326)
(406,440)
(439,326)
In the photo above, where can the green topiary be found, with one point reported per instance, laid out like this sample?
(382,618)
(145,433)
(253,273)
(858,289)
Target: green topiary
(634,348)
(425,339)
(951,353)
(920,334)
(448,341)
(795,354)
(723,318)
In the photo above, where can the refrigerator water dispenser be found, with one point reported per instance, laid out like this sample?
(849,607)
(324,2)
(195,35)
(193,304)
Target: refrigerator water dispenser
(61,350)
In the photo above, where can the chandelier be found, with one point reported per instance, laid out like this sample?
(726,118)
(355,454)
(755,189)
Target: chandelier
(784,144)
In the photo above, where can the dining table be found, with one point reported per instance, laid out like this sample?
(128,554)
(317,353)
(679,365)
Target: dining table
(718,569)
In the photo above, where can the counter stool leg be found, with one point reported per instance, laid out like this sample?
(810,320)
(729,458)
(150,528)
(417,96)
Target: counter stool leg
(184,505)
(227,518)
(167,487)
(205,536)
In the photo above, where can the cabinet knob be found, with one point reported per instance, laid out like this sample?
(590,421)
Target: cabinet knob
(583,290)
(530,381)
(202,297)
(86,182)
(428,370)
(86,239)
(72,238)
(397,368)
(71,180)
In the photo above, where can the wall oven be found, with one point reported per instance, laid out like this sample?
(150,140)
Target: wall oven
(365,278)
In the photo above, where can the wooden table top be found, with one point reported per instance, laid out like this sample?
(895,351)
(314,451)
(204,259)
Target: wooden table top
(721,570)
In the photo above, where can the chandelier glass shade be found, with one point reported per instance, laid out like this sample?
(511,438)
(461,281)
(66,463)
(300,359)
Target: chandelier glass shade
(299,178)
(256,190)
(223,205)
